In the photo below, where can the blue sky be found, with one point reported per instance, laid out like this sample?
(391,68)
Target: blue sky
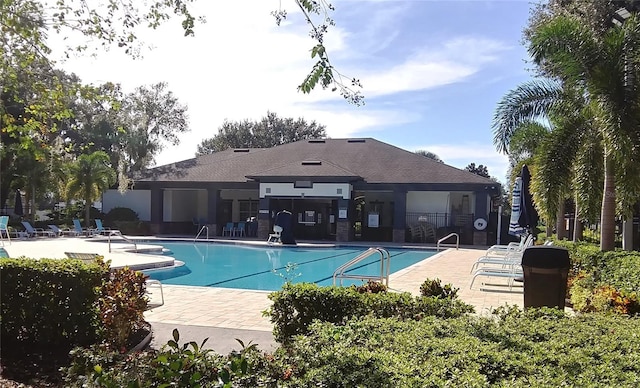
(432,71)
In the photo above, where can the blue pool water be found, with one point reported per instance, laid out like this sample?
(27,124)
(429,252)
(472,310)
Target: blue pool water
(265,268)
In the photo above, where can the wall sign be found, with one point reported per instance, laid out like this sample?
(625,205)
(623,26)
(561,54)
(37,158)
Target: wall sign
(342,213)
(374,219)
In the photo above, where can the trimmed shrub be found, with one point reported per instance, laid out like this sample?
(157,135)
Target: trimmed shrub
(135,228)
(121,214)
(622,270)
(521,350)
(434,287)
(123,302)
(49,304)
(371,287)
(537,347)
(296,306)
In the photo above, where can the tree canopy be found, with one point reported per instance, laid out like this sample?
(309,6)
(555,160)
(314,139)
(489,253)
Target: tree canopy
(430,155)
(481,170)
(270,131)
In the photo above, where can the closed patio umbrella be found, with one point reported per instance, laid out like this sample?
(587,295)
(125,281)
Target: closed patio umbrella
(17,208)
(528,218)
(514,225)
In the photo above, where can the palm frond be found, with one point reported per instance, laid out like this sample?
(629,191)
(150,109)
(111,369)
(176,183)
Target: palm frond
(530,101)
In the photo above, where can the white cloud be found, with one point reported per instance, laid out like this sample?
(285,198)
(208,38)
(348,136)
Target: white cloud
(240,65)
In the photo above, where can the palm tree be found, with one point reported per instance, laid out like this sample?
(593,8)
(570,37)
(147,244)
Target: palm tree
(529,122)
(598,64)
(89,176)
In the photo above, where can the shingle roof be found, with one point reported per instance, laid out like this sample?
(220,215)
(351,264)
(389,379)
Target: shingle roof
(367,159)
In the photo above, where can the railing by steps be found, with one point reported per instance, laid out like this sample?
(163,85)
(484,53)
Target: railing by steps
(125,238)
(204,227)
(456,245)
(384,271)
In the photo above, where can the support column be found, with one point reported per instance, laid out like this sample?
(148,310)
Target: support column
(213,199)
(480,236)
(399,216)
(157,206)
(264,219)
(343,222)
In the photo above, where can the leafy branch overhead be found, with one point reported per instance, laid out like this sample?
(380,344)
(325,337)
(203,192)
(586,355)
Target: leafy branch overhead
(323,73)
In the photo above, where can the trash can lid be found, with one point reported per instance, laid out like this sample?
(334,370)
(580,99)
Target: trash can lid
(544,256)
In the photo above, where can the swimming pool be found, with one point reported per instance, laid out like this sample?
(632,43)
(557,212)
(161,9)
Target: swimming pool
(265,268)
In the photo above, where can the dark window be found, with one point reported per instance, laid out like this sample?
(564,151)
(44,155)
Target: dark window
(248,209)
(303,184)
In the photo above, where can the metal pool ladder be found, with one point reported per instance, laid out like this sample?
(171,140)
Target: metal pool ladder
(457,244)
(204,227)
(340,272)
(125,238)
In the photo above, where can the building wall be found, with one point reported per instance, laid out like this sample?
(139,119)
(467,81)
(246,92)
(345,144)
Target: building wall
(184,205)
(137,200)
(342,190)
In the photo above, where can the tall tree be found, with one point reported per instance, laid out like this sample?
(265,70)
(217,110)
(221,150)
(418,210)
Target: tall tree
(89,176)
(270,131)
(481,170)
(132,129)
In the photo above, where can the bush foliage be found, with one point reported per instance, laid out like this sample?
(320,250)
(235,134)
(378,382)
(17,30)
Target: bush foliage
(603,281)
(296,306)
(49,303)
(519,350)
(541,348)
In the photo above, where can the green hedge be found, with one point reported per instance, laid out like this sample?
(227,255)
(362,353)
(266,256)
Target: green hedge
(48,303)
(296,306)
(536,348)
(622,270)
(524,351)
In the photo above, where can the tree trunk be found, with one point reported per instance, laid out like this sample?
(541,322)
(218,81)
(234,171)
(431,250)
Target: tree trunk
(578,228)
(561,232)
(32,203)
(608,213)
(87,213)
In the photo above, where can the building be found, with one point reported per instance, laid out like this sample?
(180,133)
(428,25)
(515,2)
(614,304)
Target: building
(337,189)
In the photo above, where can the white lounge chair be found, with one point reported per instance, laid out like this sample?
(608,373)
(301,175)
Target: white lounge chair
(511,271)
(496,250)
(503,257)
(33,232)
(61,232)
(275,236)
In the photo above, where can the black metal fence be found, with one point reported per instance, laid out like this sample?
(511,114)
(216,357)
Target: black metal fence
(429,227)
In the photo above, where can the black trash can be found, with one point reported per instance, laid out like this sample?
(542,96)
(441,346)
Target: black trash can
(545,270)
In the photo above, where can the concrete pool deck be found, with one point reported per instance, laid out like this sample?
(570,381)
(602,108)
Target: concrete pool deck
(205,311)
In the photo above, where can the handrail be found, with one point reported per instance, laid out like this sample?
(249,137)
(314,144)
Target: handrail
(457,244)
(125,238)
(384,273)
(200,232)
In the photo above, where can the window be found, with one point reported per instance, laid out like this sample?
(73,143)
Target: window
(303,184)
(248,209)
